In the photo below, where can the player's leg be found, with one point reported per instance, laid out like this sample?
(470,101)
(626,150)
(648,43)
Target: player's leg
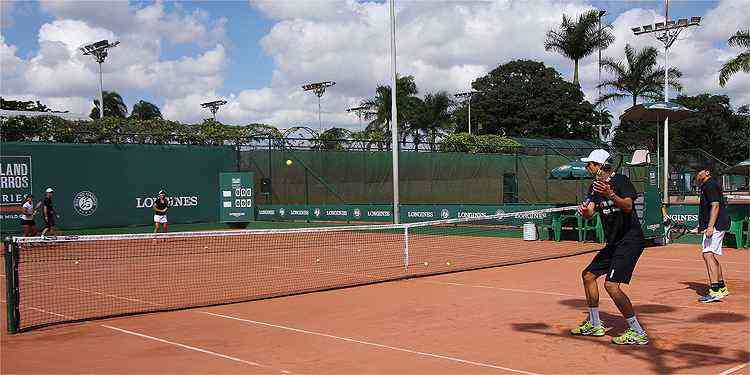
(711,248)
(623,265)
(592,326)
(26,229)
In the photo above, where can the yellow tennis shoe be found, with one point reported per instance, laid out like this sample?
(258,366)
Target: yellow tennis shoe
(587,329)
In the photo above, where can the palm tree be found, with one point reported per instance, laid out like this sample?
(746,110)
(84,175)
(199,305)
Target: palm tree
(739,63)
(114,106)
(637,77)
(433,117)
(144,110)
(379,113)
(578,39)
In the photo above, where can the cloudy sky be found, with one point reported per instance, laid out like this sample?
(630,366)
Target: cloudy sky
(256,54)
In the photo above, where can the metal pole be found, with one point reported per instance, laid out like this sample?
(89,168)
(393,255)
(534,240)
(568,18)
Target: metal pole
(394,116)
(599,89)
(101,93)
(320,123)
(469,114)
(666,100)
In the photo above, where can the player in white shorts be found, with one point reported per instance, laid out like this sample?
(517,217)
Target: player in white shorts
(713,222)
(161,206)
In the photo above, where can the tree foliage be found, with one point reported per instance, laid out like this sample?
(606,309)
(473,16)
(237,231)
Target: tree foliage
(114,106)
(715,127)
(475,144)
(741,62)
(20,105)
(118,130)
(576,39)
(144,110)
(528,99)
(637,77)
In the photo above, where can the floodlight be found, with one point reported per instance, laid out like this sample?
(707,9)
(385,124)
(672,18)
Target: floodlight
(667,33)
(99,51)
(319,88)
(214,106)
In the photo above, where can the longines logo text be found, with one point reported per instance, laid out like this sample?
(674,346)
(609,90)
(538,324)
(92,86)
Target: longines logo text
(179,201)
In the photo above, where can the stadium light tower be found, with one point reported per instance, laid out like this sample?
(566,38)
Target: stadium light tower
(467,96)
(667,32)
(214,106)
(318,88)
(359,111)
(99,51)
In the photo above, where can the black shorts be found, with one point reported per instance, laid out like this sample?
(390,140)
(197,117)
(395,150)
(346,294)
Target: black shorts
(27,222)
(50,222)
(617,260)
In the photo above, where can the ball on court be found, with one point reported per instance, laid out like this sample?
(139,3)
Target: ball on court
(447,263)
(288,162)
(317,259)
(425,263)
(76,262)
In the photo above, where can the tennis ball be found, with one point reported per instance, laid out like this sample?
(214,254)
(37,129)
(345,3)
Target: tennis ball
(76,262)
(425,263)
(317,259)
(288,162)
(448,263)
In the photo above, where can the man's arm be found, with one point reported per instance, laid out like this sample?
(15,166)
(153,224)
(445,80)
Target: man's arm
(712,219)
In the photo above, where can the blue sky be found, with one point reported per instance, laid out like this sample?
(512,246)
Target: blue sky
(257,53)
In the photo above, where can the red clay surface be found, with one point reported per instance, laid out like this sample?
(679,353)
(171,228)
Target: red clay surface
(511,319)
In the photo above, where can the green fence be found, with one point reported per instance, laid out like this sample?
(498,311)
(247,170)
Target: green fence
(101,185)
(354,177)
(383,213)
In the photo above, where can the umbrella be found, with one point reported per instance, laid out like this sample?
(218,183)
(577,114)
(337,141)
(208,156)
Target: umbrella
(657,112)
(742,169)
(575,170)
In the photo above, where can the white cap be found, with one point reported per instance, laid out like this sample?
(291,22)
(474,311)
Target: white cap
(597,156)
(49,190)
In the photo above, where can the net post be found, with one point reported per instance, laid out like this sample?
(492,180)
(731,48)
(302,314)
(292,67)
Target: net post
(11,284)
(406,249)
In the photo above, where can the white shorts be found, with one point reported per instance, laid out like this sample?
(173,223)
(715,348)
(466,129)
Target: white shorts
(160,219)
(713,244)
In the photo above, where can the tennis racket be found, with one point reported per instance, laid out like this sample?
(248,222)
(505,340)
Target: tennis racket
(675,229)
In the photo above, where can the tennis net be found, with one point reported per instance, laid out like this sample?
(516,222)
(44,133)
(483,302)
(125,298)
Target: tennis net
(75,278)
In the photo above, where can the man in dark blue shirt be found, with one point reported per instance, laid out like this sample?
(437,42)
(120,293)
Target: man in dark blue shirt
(713,221)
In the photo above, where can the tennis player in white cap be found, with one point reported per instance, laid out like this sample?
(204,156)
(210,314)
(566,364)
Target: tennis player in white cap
(612,196)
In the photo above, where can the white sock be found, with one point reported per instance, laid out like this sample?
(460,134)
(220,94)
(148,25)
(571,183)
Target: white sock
(633,323)
(594,316)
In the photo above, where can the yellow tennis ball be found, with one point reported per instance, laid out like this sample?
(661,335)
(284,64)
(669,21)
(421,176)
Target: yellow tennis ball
(288,162)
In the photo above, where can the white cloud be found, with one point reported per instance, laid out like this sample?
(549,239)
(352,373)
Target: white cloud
(444,44)
(59,74)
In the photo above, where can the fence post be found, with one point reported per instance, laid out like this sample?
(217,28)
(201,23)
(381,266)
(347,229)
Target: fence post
(11,286)
(406,249)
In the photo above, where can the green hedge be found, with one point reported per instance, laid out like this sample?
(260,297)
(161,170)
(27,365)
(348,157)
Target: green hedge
(477,144)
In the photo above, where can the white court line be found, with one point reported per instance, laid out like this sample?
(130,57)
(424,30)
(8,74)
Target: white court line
(193,348)
(734,369)
(691,260)
(551,293)
(459,360)
(665,267)
(190,347)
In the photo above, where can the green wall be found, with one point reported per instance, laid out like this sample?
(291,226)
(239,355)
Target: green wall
(122,180)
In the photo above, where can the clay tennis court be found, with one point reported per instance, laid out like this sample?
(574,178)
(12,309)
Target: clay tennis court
(509,319)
